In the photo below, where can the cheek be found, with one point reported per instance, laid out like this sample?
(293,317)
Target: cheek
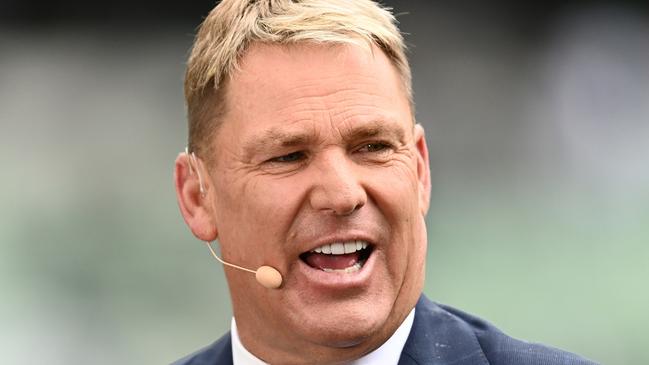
(272,201)
(253,213)
(396,196)
(396,193)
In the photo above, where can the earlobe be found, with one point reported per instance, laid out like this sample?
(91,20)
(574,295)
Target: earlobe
(193,198)
(423,168)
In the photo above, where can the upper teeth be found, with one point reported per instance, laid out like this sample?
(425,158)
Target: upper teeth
(341,248)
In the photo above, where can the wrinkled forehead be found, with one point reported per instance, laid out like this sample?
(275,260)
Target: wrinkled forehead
(294,79)
(277,65)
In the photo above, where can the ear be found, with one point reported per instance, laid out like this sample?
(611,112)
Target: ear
(194,205)
(423,168)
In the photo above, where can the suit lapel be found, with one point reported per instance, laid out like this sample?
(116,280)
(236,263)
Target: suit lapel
(218,353)
(439,338)
(223,351)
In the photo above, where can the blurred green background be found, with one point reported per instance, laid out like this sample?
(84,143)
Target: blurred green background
(537,122)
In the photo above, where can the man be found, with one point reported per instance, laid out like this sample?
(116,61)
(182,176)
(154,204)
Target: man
(304,159)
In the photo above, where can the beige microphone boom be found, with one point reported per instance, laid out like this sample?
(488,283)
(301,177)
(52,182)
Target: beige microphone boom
(267,276)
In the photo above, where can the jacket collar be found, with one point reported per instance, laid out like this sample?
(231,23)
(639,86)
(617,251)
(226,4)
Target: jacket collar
(439,338)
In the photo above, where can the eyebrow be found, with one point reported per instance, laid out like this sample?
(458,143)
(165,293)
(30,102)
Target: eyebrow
(374,129)
(274,138)
(279,138)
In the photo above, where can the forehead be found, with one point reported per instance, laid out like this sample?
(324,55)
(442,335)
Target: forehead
(313,86)
(282,67)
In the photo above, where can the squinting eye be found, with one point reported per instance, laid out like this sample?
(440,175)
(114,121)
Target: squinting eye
(291,157)
(374,147)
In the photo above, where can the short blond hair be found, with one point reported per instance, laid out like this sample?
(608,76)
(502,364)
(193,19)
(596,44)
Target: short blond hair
(233,25)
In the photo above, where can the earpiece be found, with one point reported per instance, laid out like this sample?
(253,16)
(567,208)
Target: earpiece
(193,160)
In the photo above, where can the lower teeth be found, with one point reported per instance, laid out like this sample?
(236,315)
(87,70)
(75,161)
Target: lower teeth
(354,268)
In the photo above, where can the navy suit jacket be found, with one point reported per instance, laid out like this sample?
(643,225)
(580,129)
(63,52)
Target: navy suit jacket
(440,335)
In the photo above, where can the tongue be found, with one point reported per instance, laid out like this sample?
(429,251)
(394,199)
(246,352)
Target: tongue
(334,262)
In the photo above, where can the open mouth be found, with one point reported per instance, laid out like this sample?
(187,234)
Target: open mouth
(344,257)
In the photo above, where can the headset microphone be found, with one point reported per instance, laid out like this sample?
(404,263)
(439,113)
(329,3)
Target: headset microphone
(267,276)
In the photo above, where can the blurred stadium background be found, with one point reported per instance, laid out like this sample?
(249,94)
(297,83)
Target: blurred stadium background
(538,124)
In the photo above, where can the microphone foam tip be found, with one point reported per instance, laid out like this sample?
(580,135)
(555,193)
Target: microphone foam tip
(268,277)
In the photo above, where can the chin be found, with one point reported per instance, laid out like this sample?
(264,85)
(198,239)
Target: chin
(344,324)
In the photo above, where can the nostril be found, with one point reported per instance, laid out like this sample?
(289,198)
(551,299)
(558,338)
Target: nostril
(339,206)
(345,204)
(345,211)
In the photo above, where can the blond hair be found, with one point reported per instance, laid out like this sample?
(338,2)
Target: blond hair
(233,25)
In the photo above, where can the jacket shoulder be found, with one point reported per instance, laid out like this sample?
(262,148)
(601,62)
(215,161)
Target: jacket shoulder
(220,352)
(501,349)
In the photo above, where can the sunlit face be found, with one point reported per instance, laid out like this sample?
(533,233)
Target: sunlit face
(318,148)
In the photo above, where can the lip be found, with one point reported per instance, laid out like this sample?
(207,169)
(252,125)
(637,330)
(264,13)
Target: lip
(321,280)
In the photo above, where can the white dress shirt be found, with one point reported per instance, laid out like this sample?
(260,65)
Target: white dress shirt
(387,354)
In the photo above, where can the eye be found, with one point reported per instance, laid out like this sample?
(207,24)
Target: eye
(291,157)
(374,147)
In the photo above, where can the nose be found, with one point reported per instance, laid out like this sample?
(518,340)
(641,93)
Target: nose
(337,187)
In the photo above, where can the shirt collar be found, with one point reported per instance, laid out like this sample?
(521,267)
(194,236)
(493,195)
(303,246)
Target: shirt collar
(387,354)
